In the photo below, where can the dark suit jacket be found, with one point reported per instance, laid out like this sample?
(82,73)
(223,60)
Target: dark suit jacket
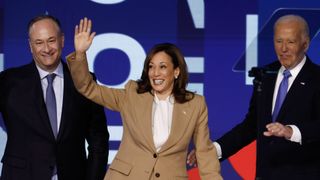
(31,150)
(278,158)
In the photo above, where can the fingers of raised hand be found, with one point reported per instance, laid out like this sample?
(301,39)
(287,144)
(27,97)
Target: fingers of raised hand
(80,29)
(84,29)
(92,36)
(76,30)
(85,25)
(89,25)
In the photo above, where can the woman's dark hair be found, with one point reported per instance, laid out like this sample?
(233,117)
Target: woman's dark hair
(179,91)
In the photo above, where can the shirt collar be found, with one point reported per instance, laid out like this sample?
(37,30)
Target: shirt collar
(168,99)
(295,71)
(58,71)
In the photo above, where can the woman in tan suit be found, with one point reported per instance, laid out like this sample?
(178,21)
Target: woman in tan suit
(159,115)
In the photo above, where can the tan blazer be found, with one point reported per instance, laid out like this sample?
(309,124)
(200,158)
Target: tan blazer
(137,158)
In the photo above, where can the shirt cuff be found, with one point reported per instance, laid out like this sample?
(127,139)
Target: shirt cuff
(296,134)
(218,148)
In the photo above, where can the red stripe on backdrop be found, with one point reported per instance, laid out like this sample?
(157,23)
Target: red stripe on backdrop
(244,163)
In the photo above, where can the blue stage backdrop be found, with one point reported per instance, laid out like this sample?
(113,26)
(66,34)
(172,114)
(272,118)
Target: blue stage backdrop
(221,41)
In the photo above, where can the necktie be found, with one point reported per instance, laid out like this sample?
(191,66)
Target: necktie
(51,104)
(282,92)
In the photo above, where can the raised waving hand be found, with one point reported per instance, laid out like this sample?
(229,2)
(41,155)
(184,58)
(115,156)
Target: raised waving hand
(83,36)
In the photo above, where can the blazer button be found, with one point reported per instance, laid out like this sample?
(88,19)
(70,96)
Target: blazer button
(157,175)
(155,155)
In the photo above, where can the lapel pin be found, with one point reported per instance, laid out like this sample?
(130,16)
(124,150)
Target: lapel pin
(303,83)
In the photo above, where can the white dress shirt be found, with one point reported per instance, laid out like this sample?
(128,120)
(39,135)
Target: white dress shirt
(58,92)
(161,120)
(296,134)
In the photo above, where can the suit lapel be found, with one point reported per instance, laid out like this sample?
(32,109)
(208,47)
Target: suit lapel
(40,106)
(180,120)
(269,86)
(144,117)
(67,95)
